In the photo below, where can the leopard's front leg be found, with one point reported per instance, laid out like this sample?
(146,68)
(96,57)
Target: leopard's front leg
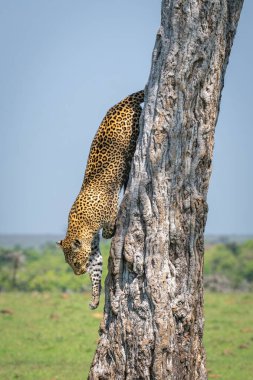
(109,225)
(108,230)
(95,271)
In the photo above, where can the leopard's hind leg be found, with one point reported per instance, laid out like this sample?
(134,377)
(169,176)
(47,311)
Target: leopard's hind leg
(95,271)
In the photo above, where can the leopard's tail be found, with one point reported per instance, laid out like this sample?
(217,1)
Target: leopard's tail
(136,98)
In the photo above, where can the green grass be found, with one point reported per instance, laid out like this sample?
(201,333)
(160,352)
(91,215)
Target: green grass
(46,336)
(229,335)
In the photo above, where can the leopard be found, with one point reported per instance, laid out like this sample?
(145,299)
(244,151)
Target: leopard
(96,206)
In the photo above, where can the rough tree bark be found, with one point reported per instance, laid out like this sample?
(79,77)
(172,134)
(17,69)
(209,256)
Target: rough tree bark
(153,319)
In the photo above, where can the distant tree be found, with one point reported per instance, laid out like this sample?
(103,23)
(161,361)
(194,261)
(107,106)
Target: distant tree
(233,247)
(14,259)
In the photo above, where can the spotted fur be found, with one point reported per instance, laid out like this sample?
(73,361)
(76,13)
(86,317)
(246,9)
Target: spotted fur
(96,205)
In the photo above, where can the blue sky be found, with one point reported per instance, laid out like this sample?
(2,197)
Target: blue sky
(63,64)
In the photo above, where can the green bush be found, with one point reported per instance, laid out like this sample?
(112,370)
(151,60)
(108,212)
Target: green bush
(42,270)
(45,269)
(232,261)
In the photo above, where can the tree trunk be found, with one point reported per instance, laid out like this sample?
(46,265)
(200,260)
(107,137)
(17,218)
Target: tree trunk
(153,319)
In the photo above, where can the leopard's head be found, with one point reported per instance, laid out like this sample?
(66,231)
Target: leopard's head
(76,252)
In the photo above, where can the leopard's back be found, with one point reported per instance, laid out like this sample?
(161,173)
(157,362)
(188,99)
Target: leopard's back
(114,144)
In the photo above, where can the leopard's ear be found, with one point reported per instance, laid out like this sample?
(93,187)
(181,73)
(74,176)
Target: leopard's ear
(59,243)
(76,244)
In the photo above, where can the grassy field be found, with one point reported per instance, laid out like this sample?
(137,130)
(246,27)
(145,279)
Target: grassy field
(47,336)
(229,336)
